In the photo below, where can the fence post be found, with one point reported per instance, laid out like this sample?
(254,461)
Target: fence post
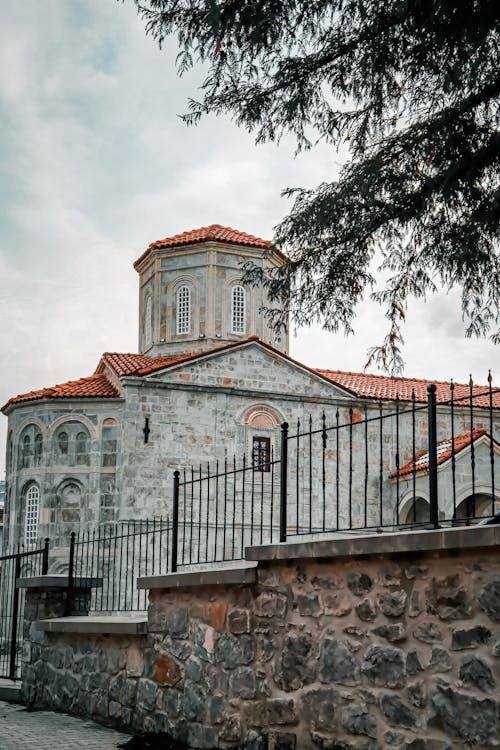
(283,480)
(15,618)
(432,440)
(45,557)
(71,582)
(175,521)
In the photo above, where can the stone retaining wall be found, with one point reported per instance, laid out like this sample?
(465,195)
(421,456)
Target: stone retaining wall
(332,654)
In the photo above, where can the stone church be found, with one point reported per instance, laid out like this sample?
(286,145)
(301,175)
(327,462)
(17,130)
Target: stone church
(211,381)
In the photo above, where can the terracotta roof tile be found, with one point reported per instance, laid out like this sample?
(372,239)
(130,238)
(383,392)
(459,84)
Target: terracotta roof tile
(212,233)
(384,388)
(94,386)
(443,450)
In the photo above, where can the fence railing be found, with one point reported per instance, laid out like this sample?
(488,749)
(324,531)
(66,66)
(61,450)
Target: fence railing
(368,467)
(220,509)
(109,560)
(19,562)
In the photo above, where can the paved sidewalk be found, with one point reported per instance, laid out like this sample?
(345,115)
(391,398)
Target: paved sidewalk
(47,730)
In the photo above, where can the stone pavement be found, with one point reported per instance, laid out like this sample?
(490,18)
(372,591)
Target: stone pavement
(46,730)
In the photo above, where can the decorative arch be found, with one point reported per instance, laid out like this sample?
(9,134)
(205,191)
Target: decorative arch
(230,284)
(406,513)
(262,416)
(83,420)
(470,505)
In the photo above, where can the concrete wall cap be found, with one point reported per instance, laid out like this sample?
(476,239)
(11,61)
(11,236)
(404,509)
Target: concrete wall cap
(386,543)
(244,574)
(126,625)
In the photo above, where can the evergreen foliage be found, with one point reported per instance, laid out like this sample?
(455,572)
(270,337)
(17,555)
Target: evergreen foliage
(412,86)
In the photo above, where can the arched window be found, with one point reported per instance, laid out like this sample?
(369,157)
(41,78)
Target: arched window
(109,443)
(148,323)
(26,451)
(238,309)
(38,449)
(62,443)
(82,449)
(32,510)
(183,314)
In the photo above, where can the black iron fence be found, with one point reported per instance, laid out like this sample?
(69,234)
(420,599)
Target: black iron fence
(222,508)
(109,560)
(20,562)
(370,466)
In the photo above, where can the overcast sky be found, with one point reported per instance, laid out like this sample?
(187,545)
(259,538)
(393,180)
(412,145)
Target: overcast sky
(95,164)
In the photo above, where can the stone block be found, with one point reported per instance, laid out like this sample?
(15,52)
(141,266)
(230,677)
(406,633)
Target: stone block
(267,713)
(440,660)
(392,603)
(394,633)
(167,670)
(396,712)
(384,666)
(217,614)
(475,672)
(366,610)
(146,694)
(428,632)
(309,605)
(177,622)
(337,663)
(270,604)
(235,650)
(449,599)
(318,707)
(359,583)
(239,621)
(193,702)
(356,719)
(489,598)
(243,683)
(470,637)
(472,720)
(295,667)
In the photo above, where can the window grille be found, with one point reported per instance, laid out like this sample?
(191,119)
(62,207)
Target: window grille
(32,512)
(261,453)
(82,449)
(148,323)
(183,310)
(238,310)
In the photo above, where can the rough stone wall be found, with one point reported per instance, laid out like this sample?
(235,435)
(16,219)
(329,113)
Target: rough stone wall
(342,654)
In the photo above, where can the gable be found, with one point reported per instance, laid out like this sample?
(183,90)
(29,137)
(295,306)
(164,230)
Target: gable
(251,367)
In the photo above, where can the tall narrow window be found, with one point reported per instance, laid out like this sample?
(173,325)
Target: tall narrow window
(31,514)
(38,449)
(82,449)
(261,453)
(238,310)
(63,443)
(148,323)
(26,460)
(184,310)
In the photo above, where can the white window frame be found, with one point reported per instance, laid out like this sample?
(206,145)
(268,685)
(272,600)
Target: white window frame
(183,310)
(148,322)
(238,309)
(32,514)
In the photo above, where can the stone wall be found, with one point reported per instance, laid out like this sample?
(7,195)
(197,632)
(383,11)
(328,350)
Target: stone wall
(357,652)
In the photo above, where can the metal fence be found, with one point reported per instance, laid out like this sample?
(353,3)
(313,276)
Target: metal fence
(222,508)
(109,560)
(363,468)
(20,562)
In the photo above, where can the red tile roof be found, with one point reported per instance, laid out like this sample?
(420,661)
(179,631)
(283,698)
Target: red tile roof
(388,388)
(95,386)
(443,450)
(212,233)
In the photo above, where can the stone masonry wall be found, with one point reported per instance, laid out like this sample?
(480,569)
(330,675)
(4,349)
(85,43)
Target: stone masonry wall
(334,654)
